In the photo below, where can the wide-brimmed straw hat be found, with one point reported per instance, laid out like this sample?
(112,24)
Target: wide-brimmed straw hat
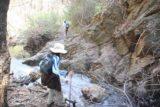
(58,48)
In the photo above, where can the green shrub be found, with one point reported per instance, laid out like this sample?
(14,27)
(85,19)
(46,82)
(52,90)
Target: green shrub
(80,12)
(41,23)
(18,52)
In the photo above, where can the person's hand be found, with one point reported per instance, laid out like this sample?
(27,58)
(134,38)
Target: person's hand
(70,74)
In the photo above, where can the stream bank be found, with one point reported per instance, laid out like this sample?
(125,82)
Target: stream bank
(34,94)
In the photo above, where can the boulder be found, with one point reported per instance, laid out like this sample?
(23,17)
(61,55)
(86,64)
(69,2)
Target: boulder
(34,76)
(26,97)
(94,93)
(35,43)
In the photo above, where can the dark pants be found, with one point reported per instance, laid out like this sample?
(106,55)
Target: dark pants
(66,30)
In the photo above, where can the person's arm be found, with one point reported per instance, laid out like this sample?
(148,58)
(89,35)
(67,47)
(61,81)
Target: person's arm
(55,65)
(68,76)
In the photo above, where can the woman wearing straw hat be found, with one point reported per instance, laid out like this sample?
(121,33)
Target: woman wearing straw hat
(54,85)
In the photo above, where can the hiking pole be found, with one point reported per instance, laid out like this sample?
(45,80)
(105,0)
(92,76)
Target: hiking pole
(70,86)
(70,75)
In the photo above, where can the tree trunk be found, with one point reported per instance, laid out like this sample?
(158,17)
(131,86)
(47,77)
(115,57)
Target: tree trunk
(4,54)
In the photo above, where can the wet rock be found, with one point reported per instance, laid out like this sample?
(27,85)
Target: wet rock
(27,79)
(94,93)
(34,75)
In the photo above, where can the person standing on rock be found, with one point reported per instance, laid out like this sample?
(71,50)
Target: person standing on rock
(55,96)
(66,27)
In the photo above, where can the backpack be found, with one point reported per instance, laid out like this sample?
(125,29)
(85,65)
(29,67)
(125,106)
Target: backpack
(67,25)
(46,64)
(45,68)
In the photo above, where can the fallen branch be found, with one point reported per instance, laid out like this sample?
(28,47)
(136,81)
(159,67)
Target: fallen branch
(124,90)
(102,80)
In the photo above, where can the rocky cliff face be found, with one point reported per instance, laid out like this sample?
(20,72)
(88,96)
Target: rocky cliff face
(128,34)
(121,45)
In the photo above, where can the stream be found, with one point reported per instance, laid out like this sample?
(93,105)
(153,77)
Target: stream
(35,95)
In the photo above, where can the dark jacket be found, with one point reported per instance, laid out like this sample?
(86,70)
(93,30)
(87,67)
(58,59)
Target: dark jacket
(52,81)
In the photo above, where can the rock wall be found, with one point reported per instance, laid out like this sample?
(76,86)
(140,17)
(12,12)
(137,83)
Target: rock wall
(129,40)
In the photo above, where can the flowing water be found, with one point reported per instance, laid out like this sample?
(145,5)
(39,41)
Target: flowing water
(33,95)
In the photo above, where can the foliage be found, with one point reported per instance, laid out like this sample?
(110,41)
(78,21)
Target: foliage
(80,12)
(41,23)
(18,52)
(100,7)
